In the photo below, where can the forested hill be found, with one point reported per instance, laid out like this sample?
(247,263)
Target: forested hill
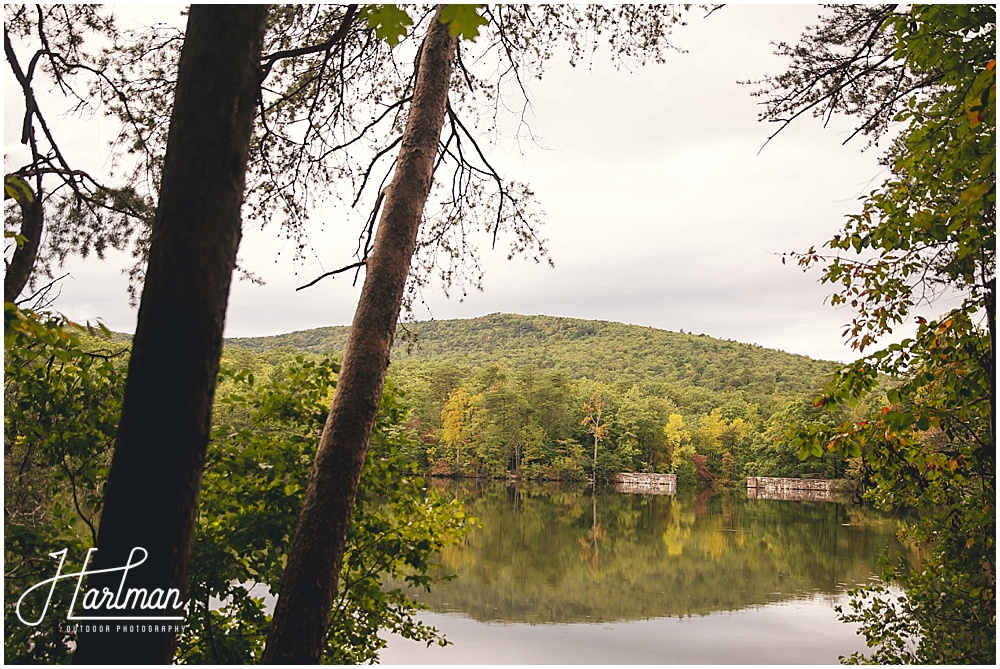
(599,350)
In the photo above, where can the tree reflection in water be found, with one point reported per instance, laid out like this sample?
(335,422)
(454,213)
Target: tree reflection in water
(557,554)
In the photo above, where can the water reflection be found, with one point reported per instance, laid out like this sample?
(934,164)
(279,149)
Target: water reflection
(549,554)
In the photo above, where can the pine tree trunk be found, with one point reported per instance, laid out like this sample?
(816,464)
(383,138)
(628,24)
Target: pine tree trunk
(151,496)
(309,584)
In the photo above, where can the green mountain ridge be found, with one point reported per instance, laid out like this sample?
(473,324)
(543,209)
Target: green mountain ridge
(600,350)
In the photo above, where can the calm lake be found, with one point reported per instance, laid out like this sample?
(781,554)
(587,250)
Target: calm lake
(558,575)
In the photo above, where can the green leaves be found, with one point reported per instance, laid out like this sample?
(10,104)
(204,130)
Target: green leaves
(388,21)
(268,420)
(983,95)
(463,20)
(975,192)
(931,223)
(924,445)
(62,397)
(928,442)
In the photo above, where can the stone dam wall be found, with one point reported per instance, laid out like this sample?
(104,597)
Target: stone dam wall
(646,484)
(758,487)
(763,487)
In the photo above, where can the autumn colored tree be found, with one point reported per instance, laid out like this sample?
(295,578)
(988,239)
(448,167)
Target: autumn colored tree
(458,423)
(675,438)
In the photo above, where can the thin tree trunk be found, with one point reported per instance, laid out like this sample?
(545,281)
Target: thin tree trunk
(597,439)
(22,261)
(991,366)
(151,495)
(309,584)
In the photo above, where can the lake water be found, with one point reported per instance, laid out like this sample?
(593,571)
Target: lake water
(558,575)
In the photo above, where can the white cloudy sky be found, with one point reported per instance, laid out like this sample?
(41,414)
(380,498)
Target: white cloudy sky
(660,211)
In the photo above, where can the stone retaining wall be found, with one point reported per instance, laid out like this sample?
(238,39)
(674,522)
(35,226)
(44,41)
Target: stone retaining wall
(648,484)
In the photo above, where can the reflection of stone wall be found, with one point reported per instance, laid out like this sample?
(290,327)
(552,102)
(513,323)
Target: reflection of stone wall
(761,487)
(655,484)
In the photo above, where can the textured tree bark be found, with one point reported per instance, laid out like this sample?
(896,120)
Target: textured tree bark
(151,495)
(309,584)
(22,261)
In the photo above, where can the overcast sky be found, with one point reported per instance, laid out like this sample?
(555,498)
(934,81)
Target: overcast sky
(659,210)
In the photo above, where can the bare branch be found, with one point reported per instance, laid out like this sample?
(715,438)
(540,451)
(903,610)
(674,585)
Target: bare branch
(371,166)
(332,273)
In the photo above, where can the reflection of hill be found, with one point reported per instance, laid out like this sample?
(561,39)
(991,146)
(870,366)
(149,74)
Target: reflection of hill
(540,558)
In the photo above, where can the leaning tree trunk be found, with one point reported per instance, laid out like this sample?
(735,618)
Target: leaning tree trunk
(151,495)
(22,261)
(309,584)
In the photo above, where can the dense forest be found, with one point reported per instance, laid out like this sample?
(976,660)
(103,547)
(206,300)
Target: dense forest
(508,395)
(598,350)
